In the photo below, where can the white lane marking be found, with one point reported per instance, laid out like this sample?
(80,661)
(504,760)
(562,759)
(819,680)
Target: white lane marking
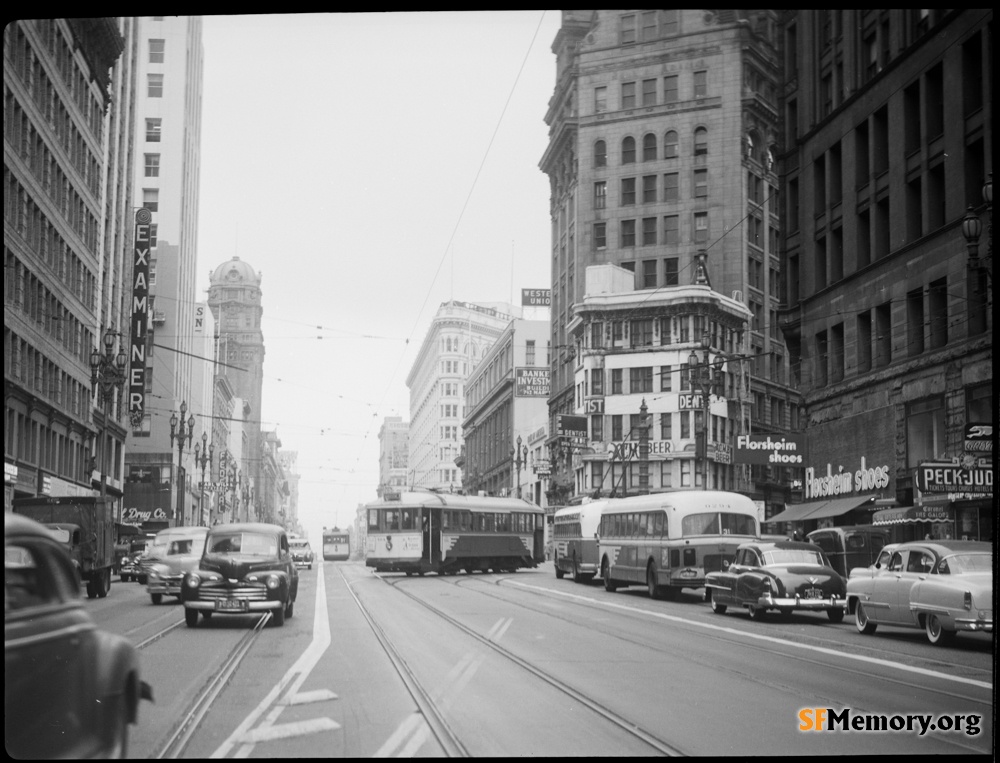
(497,631)
(760,637)
(305,697)
(293,678)
(285,730)
(410,725)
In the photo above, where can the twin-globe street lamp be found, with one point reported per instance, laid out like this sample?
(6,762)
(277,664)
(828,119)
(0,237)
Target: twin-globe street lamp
(706,375)
(203,458)
(107,374)
(181,430)
(519,455)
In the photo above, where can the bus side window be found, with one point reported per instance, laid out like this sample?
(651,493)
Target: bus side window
(658,525)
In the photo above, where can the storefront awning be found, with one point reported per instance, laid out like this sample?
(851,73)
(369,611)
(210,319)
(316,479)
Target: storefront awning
(909,514)
(831,507)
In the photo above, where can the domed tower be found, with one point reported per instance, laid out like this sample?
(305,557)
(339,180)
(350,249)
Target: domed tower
(234,298)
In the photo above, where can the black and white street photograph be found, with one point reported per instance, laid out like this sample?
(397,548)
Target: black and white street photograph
(499,383)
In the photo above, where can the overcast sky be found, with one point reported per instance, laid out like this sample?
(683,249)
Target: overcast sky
(370,167)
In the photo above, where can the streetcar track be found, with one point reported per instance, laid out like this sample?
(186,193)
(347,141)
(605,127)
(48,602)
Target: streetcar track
(158,635)
(661,746)
(428,708)
(190,721)
(729,640)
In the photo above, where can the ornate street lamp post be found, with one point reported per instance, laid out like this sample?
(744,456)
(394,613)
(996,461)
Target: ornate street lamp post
(203,458)
(706,377)
(107,374)
(520,456)
(181,430)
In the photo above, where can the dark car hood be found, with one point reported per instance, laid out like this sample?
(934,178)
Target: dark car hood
(237,566)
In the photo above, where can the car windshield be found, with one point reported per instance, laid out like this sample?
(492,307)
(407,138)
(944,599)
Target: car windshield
(156,549)
(251,544)
(959,564)
(61,534)
(183,546)
(792,556)
(299,545)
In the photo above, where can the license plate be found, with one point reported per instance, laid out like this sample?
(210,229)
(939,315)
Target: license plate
(232,605)
(813,593)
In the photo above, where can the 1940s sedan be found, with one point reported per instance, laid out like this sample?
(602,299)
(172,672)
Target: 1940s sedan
(782,575)
(244,568)
(70,689)
(940,586)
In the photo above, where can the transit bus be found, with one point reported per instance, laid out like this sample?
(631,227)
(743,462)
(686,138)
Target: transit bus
(418,532)
(574,536)
(336,545)
(669,541)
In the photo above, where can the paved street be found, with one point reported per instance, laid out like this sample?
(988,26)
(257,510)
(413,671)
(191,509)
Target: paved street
(524,664)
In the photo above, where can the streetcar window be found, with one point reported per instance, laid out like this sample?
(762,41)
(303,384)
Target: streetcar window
(391,519)
(445,520)
(503,523)
(407,519)
(373,519)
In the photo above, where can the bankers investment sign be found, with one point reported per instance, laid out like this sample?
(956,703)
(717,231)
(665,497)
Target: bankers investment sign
(531,382)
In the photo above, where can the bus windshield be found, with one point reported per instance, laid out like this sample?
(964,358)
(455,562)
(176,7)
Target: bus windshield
(715,523)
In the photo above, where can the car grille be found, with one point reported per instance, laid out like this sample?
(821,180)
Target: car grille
(249,593)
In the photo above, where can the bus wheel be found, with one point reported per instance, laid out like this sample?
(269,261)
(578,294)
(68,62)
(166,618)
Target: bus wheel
(606,574)
(654,589)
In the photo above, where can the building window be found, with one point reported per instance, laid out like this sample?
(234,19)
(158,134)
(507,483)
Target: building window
(648,26)
(628,233)
(152,165)
(915,322)
(883,334)
(596,381)
(600,99)
(152,245)
(670,145)
(671,22)
(616,426)
(666,372)
(937,303)
(648,189)
(628,95)
(596,428)
(864,341)
(529,352)
(642,330)
(600,235)
(700,183)
(649,147)
(600,194)
(671,235)
(616,381)
(671,275)
(154,85)
(649,92)
(822,358)
(925,433)
(701,227)
(671,92)
(628,151)
(628,191)
(153,130)
(649,234)
(700,145)
(151,199)
(600,154)
(700,84)
(628,29)
(671,186)
(640,379)
(685,417)
(156,48)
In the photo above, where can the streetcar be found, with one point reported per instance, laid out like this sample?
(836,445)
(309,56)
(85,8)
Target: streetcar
(574,535)
(669,541)
(336,545)
(420,532)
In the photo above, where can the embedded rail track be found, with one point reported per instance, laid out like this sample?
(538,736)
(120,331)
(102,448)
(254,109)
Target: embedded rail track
(448,739)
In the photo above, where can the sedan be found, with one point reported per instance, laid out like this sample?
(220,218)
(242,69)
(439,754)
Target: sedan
(70,689)
(302,553)
(941,587)
(181,555)
(782,575)
(244,568)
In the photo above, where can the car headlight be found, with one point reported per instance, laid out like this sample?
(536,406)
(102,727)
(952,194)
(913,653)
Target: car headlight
(273,581)
(192,581)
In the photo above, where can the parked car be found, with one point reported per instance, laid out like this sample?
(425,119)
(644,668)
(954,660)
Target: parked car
(130,564)
(181,554)
(849,547)
(784,575)
(70,690)
(941,586)
(302,553)
(244,568)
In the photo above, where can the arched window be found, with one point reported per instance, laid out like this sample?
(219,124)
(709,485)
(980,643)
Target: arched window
(600,154)
(670,145)
(628,151)
(649,147)
(700,145)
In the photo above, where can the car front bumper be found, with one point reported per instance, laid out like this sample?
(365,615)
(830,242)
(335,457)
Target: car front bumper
(168,586)
(770,602)
(252,606)
(303,562)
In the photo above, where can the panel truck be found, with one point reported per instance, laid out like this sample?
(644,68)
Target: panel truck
(86,525)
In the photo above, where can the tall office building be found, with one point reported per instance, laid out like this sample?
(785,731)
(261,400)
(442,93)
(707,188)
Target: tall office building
(393,447)
(884,166)
(68,104)
(663,131)
(169,62)
(459,336)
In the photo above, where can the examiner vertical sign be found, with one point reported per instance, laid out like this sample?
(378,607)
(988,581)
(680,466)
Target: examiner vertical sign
(139,320)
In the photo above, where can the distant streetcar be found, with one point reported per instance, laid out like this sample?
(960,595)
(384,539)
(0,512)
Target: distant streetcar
(336,545)
(419,532)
